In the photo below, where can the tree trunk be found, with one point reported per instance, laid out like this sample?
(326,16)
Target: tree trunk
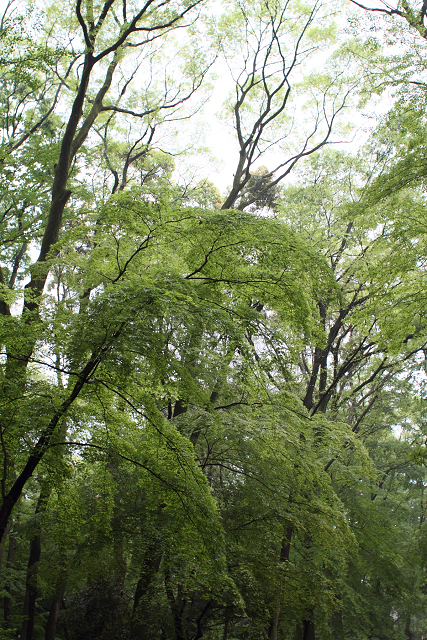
(16,366)
(31,585)
(284,557)
(225,633)
(50,629)
(139,629)
(199,633)
(408,632)
(31,589)
(43,443)
(308,626)
(177,606)
(3,544)
(7,603)
(336,626)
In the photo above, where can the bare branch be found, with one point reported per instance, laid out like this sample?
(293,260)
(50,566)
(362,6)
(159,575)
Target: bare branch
(272,73)
(132,28)
(87,40)
(389,10)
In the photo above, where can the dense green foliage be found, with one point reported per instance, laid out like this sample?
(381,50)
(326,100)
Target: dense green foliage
(212,406)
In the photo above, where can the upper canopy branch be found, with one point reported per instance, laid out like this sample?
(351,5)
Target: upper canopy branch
(389,10)
(290,162)
(80,123)
(413,18)
(266,79)
(134,27)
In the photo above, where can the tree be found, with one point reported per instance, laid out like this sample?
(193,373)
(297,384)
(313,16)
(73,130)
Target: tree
(364,352)
(106,38)
(197,404)
(104,53)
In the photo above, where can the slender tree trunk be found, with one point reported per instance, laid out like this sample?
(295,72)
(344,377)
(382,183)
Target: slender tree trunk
(308,630)
(337,626)
(139,629)
(16,366)
(225,632)
(45,439)
(7,603)
(284,557)
(199,632)
(305,630)
(50,629)
(120,564)
(31,589)
(3,544)
(31,586)
(408,632)
(177,606)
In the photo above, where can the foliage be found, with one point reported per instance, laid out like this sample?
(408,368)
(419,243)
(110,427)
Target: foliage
(212,407)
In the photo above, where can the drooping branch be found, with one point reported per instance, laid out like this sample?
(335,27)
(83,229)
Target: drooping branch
(44,441)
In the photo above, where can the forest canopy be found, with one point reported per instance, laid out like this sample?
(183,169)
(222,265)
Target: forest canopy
(213,320)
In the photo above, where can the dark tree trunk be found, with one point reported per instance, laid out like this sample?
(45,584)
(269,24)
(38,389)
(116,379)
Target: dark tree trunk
(225,633)
(7,603)
(50,629)
(336,626)
(284,557)
(44,441)
(177,607)
(3,544)
(31,585)
(408,632)
(31,589)
(139,630)
(308,630)
(16,366)
(199,633)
